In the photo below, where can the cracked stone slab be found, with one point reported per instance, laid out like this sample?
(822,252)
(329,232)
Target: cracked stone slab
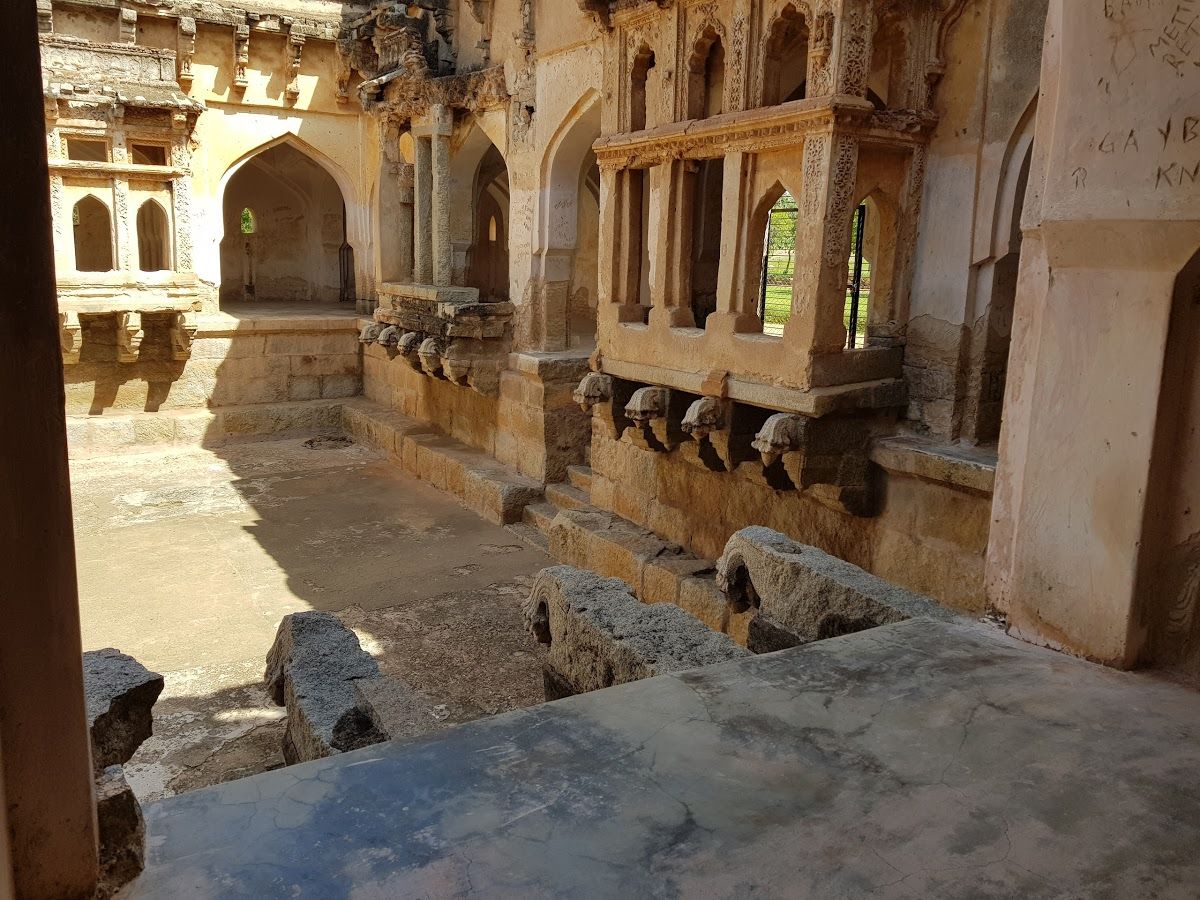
(120,693)
(312,670)
(803,594)
(600,634)
(924,759)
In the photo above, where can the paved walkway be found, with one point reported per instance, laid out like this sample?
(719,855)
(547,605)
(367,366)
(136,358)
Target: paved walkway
(918,760)
(189,558)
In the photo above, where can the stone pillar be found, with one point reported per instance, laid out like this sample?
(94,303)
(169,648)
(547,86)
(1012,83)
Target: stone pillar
(1075,543)
(49,814)
(823,245)
(673,194)
(443,256)
(738,277)
(422,211)
(404,223)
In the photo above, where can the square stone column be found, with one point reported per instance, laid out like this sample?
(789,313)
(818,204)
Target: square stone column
(823,245)
(673,194)
(432,132)
(443,256)
(422,210)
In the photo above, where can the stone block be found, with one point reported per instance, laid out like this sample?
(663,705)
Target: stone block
(395,707)
(803,594)
(120,693)
(339,386)
(312,670)
(599,634)
(304,387)
(122,832)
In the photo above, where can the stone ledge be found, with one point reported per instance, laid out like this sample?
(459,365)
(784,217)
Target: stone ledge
(225,325)
(956,465)
(655,570)
(486,487)
(100,435)
(599,634)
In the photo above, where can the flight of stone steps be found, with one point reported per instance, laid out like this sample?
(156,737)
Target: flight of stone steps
(574,493)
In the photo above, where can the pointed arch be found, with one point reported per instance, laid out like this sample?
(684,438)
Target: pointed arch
(639,76)
(783,69)
(93,235)
(299,248)
(153,237)
(706,74)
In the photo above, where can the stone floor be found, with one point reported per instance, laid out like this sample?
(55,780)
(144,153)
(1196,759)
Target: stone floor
(918,760)
(188,559)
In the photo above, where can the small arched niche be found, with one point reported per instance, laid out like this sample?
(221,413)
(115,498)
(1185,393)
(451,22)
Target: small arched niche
(488,266)
(706,76)
(639,75)
(785,58)
(154,237)
(92,226)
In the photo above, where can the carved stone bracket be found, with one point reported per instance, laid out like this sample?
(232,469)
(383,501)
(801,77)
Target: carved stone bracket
(826,457)
(185,43)
(595,387)
(45,16)
(69,337)
(430,354)
(295,46)
(654,417)
(241,55)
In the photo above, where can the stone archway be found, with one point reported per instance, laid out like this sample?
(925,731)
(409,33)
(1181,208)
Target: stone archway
(996,291)
(284,231)
(566,257)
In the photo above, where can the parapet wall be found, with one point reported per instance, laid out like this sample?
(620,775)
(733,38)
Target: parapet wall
(232,362)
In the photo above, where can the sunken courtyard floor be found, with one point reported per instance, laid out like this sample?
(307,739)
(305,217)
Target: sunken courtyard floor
(188,558)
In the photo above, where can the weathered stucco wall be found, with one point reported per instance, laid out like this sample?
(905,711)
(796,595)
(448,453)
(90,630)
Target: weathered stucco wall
(985,104)
(1077,556)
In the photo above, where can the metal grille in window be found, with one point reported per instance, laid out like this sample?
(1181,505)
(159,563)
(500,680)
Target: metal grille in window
(779,266)
(858,283)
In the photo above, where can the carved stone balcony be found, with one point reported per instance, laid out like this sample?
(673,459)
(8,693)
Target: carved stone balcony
(126,336)
(444,332)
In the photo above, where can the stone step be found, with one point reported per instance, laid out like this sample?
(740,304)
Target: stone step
(89,436)
(487,487)
(566,496)
(580,477)
(656,570)
(539,516)
(530,534)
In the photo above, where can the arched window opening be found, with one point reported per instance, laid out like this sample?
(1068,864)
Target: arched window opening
(247,222)
(93,236)
(643,62)
(778,264)
(706,77)
(154,238)
(487,268)
(858,281)
(708,184)
(887,84)
(583,294)
(785,59)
